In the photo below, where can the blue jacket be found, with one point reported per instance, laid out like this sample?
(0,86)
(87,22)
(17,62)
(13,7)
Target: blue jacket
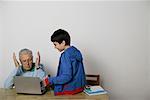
(70,77)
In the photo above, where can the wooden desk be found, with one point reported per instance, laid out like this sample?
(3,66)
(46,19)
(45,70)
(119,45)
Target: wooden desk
(10,94)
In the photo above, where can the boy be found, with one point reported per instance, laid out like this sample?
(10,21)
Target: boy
(70,78)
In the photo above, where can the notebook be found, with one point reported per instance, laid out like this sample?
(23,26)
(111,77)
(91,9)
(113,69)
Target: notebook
(94,90)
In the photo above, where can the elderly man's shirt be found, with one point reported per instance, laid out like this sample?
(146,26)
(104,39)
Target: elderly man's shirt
(34,72)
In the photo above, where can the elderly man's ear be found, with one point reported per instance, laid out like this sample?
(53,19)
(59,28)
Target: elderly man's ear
(17,64)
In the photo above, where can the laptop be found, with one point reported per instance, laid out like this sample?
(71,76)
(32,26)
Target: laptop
(29,85)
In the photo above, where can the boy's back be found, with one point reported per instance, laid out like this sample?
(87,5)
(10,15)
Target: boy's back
(70,72)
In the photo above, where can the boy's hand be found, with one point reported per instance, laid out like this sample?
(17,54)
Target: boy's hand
(46,81)
(15,60)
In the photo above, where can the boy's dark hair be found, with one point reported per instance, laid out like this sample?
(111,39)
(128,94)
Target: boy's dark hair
(61,35)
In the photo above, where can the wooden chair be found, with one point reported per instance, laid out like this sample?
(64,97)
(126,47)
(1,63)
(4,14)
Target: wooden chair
(93,79)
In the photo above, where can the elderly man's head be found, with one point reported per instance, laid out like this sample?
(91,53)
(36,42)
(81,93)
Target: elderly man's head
(26,58)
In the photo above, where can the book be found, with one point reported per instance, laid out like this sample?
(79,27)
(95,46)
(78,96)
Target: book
(94,90)
(95,93)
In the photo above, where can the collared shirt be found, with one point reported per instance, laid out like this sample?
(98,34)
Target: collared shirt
(9,83)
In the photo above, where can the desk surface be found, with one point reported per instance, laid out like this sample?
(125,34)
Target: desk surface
(10,94)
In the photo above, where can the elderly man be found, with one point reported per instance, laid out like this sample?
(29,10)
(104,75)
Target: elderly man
(27,67)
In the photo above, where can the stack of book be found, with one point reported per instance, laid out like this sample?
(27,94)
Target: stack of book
(94,90)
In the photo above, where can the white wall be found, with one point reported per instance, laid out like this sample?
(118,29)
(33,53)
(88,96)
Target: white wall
(1,47)
(149,48)
(113,37)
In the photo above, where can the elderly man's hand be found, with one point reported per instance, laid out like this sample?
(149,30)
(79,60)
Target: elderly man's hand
(37,63)
(15,60)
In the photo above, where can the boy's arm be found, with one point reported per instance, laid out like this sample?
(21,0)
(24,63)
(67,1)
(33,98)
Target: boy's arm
(66,70)
(9,82)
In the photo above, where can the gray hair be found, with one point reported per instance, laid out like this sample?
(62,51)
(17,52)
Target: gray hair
(25,51)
